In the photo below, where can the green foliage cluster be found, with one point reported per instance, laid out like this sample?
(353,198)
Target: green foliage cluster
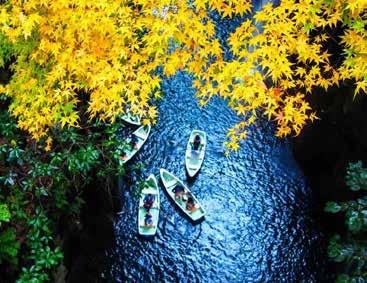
(8,244)
(38,186)
(9,247)
(42,255)
(351,250)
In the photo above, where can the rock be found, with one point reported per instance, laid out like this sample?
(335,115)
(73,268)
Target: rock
(61,274)
(84,244)
(71,243)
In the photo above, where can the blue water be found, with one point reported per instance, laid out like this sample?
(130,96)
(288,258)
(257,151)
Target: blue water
(258,226)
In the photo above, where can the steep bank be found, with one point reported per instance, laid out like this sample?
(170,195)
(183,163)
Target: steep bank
(85,242)
(325,147)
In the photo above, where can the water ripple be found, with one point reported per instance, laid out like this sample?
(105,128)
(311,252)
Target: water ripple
(258,226)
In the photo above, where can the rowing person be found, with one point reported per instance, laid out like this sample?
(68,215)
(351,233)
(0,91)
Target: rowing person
(134,141)
(148,201)
(179,191)
(197,142)
(148,220)
(190,204)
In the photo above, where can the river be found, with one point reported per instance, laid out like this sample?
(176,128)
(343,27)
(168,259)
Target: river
(258,226)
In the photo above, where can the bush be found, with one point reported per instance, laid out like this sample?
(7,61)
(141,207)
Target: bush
(351,250)
(41,181)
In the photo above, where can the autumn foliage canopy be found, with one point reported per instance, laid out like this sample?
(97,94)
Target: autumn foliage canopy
(111,50)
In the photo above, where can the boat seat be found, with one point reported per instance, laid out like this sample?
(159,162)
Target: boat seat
(195,159)
(140,135)
(149,191)
(153,207)
(171,183)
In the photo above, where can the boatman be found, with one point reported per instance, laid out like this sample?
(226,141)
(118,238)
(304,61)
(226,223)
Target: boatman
(148,220)
(134,141)
(148,201)
(197,142)
(179,191)
(190,204)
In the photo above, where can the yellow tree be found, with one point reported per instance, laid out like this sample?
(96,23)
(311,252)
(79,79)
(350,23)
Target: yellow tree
(106,49)
(285,46)
(110,51)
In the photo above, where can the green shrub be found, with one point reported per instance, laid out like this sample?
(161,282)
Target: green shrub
(356,176)
(4,213)
(43,256)
(351,250)
(8,243)
(9,247)
(39,185)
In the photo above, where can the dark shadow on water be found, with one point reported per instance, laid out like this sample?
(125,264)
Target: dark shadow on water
(191,180)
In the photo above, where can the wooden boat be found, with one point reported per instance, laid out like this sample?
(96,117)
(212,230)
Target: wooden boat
(170,182)
(151,187)
(141,134)
(131,119)
(194,158)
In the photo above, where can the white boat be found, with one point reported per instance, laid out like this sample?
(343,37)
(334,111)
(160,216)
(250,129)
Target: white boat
(131,119)
(151,187)
(170,182)
(141,134)
(194,158)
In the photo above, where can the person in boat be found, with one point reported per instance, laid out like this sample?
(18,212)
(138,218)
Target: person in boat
(123,156)
(197,142)
(134,141)
(148,201)
(148,219)
(190,204)
(179,191)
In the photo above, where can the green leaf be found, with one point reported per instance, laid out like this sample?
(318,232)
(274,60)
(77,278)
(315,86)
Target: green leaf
(358,25)
(332,207)
(308,27)
(356,176)
(343,278)
(355,222)
(9,246)
(4,213)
